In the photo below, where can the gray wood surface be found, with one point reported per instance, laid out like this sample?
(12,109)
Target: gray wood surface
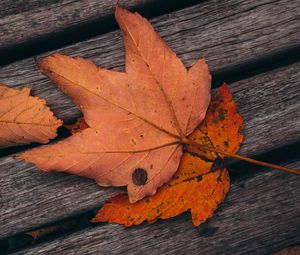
(261,215)
(22,20)
(269,102)
(226,33)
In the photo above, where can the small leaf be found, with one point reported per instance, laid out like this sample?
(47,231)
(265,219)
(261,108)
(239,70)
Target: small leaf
(24,119)
(197,186)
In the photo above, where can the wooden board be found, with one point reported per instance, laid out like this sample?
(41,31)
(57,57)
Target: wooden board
(208,29)
(29,198)
(261,215)
(23,21)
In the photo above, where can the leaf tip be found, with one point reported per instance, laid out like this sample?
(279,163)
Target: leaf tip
(119,10)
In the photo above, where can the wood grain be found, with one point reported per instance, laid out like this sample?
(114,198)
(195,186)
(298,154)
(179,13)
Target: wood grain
(30,198)
(261,215)
(226,33)
(22,21)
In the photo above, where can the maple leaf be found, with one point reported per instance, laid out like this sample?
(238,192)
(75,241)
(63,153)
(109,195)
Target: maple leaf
(137,119)
(24,119)
(199,185)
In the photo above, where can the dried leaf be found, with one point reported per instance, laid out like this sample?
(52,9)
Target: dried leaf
(24,119)
(195,186)
(136,119)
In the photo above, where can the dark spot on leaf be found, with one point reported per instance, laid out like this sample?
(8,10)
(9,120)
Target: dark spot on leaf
(241,130)
(139,176)
(226,144)
(142,136)
(213,107)
(215,121)
(216,97)
(222,113)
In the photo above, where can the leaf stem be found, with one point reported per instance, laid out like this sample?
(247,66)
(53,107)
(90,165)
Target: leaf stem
(234,155)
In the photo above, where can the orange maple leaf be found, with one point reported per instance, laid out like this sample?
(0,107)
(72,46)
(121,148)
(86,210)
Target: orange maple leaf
(137,119)
(24,119)
(199,185)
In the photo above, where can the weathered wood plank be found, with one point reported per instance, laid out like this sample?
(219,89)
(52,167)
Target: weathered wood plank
(22,21)
(226,33)
(29,198)
(261,215)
